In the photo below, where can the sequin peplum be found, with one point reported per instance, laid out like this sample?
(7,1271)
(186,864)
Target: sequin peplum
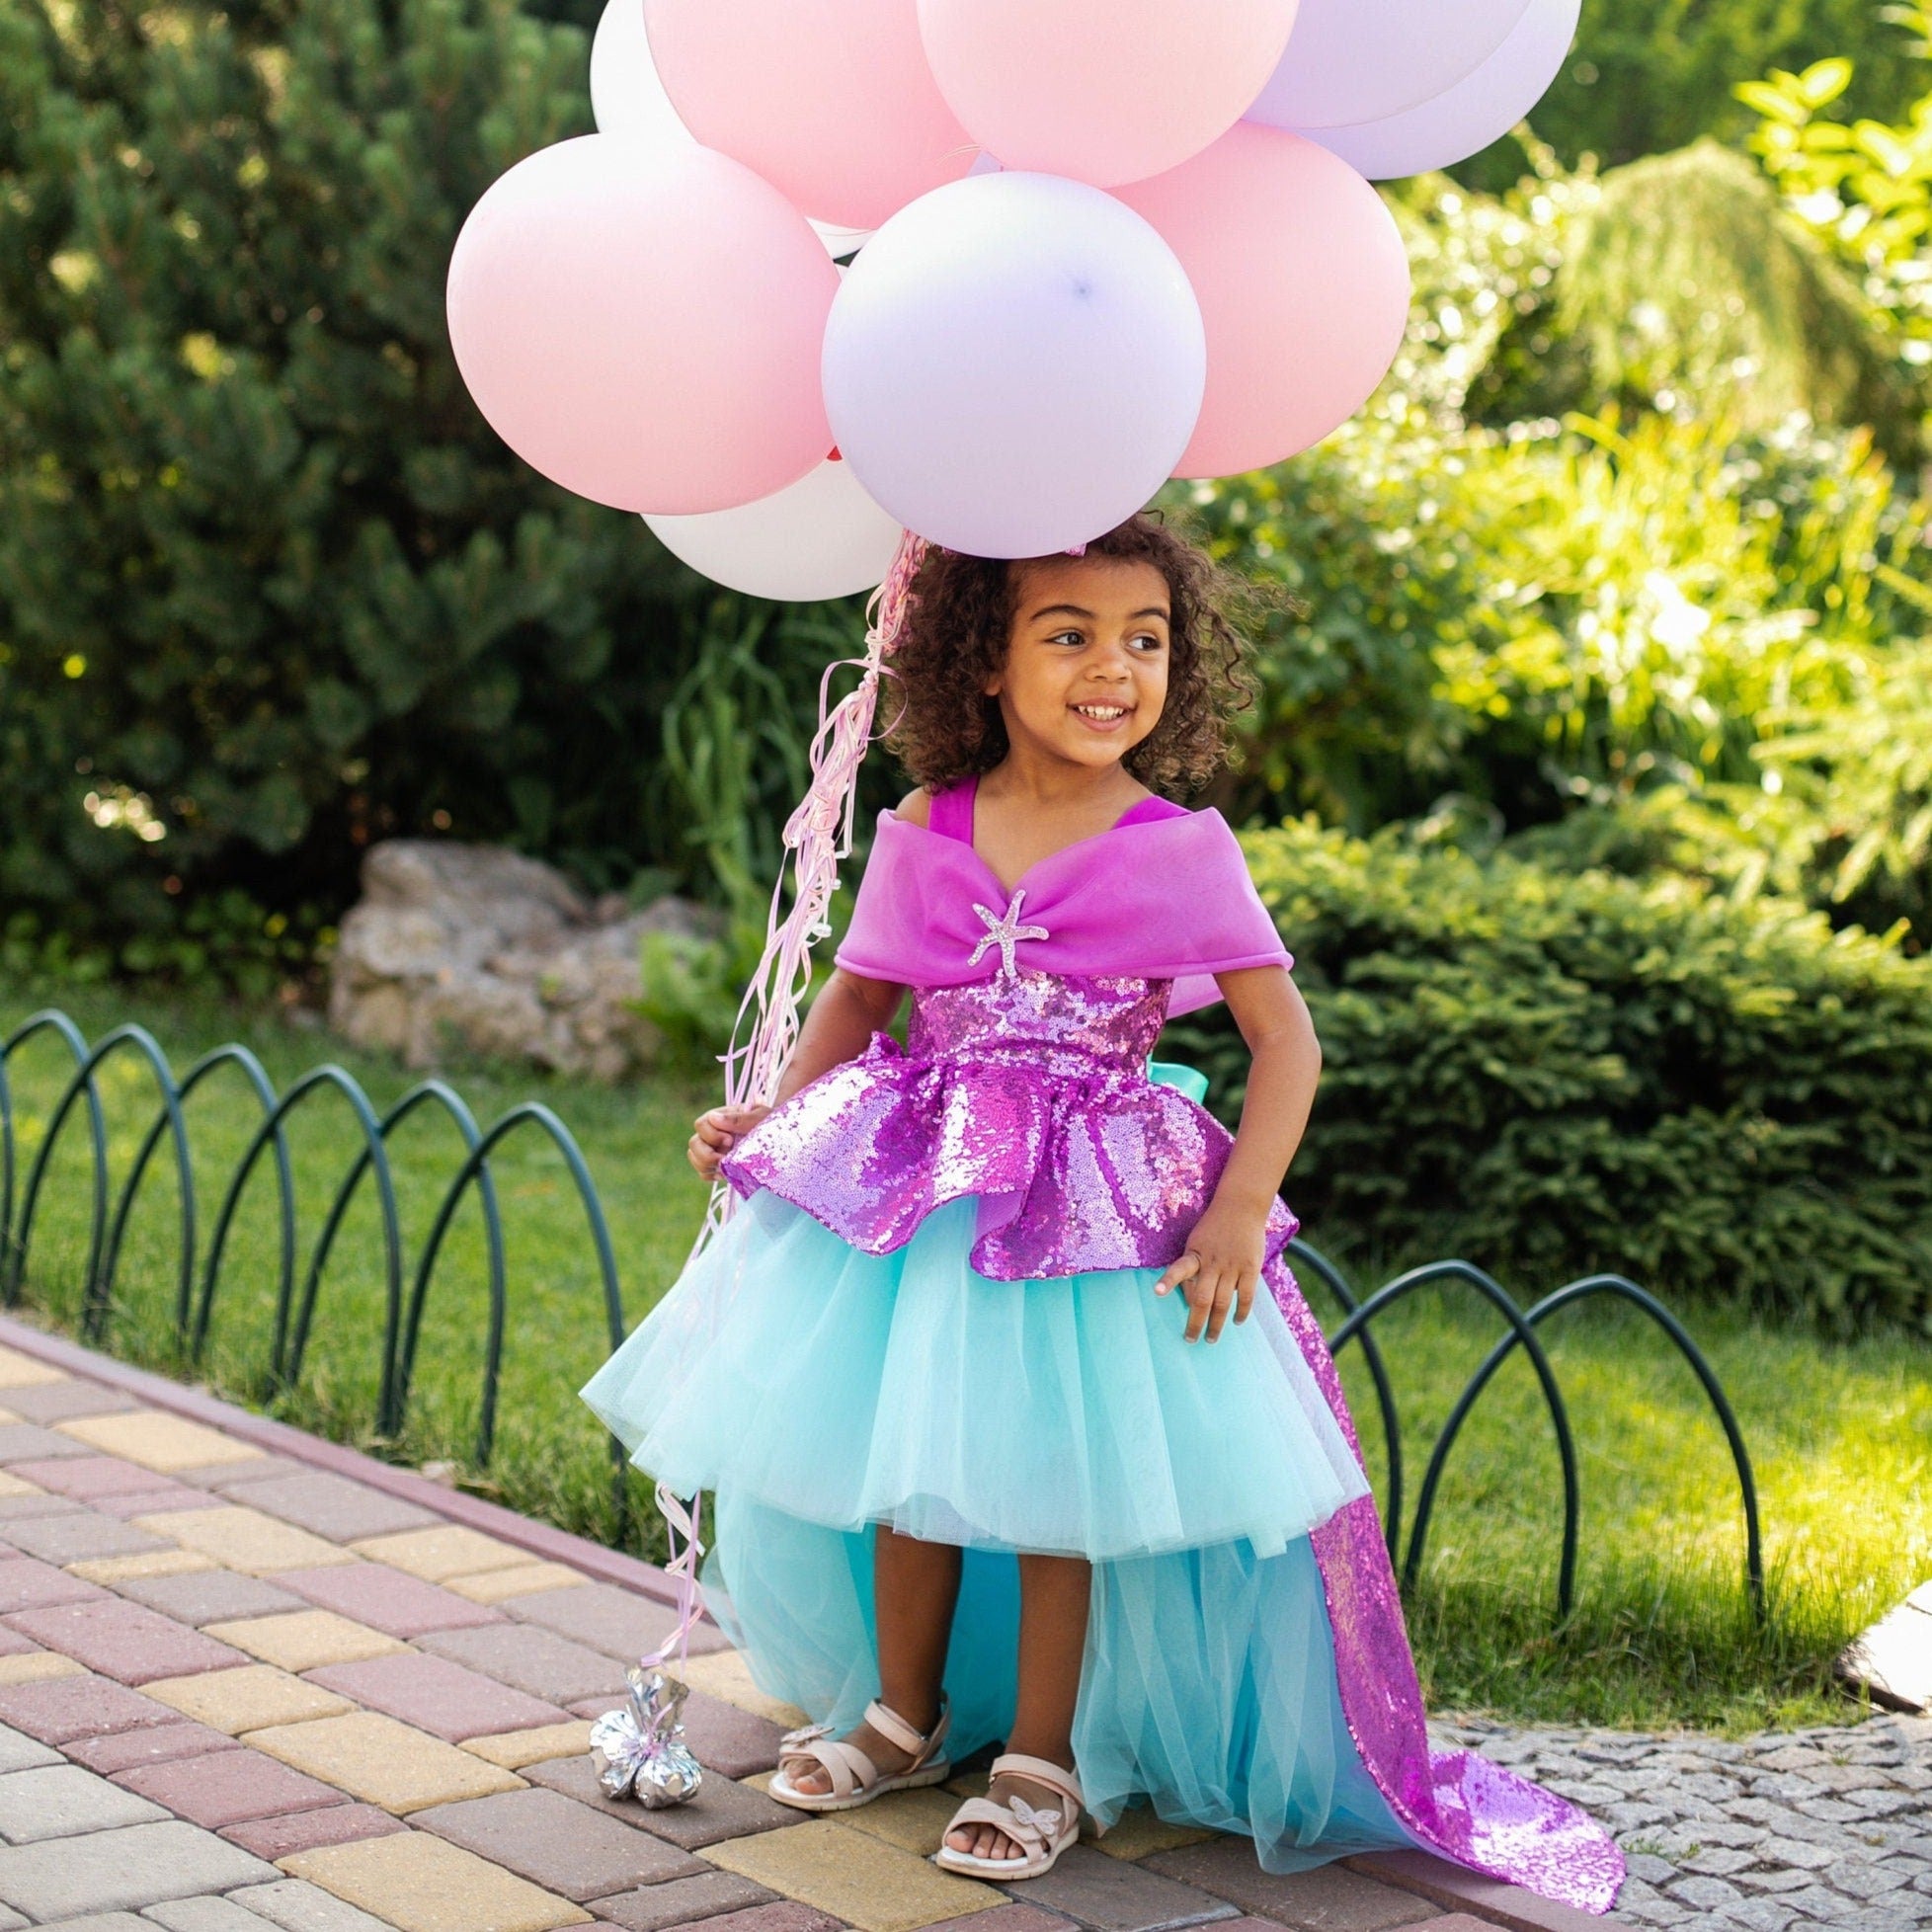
(1027,1090)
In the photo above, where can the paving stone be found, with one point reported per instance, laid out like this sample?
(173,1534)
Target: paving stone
(305,1639)
(564,1848)
(531,1658)
(19,1752)
(1030,1919)
(436,1696)
(914,1821)
(1454,1889)
(520,1579)
(60,1801)
(385,1599)
(28,1585)
(298,1906)
(209,1596)
(781,1915)
(333,1507)
(447,1549)
(514,1749)
(335,1825)
(1329,1896)
(657,1907)
(227,1478)
(15,1504)
(24,1442)
(67,1708)
(54,1401)
(721,1810)
(424,1884)
(13,1643)
(169,1561)
(244,1539)
(18,1371)
(1140,1831)
(1118,1896)
(726,1676)
(157,1441)
(160,1500)
(382,1762)
(120,1871)
(202,1915)
(858,1878)
(616,1622)
(246,1698)
(226,1788)
(105,1922)
(123,1641)
(31,1665)
(130,1751)
(79,1535)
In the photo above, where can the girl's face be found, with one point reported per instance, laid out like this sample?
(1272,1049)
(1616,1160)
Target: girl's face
(1086,658)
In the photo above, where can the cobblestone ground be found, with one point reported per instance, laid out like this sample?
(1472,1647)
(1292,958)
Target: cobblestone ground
(1779,1832)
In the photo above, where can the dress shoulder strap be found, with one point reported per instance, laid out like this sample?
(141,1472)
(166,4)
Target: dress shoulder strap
(950,813)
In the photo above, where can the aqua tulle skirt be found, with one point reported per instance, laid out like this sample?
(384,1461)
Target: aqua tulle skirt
(819,1391)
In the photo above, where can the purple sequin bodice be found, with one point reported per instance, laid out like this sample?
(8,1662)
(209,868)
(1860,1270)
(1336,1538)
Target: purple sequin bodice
(1028,1091)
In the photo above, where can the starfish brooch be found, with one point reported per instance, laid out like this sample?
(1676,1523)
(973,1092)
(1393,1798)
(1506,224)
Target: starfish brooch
(1003,929)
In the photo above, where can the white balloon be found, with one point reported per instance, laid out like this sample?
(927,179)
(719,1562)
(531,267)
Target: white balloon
(1015,363)
(1348,61)
(1477,110)
(627,96)
(821,537)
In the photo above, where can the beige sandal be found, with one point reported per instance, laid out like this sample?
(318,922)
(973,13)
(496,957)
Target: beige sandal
(855,1778)
(1046,1831)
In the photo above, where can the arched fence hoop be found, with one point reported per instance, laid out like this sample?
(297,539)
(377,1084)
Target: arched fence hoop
(407,1290)
(1520,1327)
(295,1306)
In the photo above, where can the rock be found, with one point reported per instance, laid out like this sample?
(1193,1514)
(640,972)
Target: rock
(498,952)
(1892,1660)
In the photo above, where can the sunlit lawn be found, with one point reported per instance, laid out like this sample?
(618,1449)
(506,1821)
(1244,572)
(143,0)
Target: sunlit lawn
(1841,1435)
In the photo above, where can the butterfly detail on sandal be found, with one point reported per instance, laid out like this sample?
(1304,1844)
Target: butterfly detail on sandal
(1045,1822)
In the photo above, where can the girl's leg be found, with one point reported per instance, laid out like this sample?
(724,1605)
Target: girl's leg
(915,1587)
(1054,1593)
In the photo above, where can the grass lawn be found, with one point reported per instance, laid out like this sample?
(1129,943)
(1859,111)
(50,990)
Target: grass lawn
(1841,1434)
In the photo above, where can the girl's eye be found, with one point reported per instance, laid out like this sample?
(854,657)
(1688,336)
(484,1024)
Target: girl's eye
(1061,636)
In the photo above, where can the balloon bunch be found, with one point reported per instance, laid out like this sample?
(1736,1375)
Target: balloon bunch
(1098,243)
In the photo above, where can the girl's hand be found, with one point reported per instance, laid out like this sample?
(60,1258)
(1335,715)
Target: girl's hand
(1220,1269)
(717,1134)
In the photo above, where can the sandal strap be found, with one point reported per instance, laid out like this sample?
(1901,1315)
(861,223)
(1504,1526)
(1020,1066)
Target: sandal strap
(922,1744)
(989,1810)
(1043,1771)
(852,1770)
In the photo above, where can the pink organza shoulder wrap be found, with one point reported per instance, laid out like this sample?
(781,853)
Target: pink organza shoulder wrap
(1161,898)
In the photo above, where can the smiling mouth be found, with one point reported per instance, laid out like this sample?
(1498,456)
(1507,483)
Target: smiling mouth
(1102,713)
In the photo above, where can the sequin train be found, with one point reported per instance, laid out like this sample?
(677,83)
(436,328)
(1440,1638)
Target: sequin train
(1031,1091)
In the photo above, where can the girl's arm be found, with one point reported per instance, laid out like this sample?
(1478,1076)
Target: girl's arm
(843,1018)
(1228,1240)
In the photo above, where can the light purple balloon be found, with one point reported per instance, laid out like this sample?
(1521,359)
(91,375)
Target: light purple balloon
(1015,363)
(1477,110)
(1349,62)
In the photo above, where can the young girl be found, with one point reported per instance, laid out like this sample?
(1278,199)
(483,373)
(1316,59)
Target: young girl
(1018,1427)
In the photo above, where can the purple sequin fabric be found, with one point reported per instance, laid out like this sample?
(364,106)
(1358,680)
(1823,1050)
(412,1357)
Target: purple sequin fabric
(1031,1090)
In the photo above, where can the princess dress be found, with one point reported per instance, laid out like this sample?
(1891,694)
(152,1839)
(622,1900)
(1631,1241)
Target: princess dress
(934,1308)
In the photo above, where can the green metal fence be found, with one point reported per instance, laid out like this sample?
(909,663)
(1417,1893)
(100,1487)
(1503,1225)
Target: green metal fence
(198,1271)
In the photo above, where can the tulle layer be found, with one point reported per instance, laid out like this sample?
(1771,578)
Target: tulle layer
(1063,1414)
(1208,1687)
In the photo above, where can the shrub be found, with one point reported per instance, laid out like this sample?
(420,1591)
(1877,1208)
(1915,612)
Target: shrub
(1559,1073)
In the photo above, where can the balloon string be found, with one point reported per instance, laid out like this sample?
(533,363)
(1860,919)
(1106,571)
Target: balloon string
(784,971)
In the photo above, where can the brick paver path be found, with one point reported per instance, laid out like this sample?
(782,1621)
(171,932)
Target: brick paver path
(251,1680)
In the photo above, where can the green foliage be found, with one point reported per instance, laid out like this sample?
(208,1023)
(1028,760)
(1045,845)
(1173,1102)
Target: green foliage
(1556,1075)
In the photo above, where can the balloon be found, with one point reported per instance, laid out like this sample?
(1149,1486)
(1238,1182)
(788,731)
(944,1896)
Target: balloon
(1106,91)
(627,96)
(1304,289)
(1480,109)
(1354,60)
(1014,365)
(832,102)
(820,537)
(641,321)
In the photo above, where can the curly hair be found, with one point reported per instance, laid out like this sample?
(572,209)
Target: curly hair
(958,626)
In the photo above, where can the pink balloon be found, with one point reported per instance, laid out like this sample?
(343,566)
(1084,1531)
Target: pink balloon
(642,321)
(1106,91)
(1303,283)
(830,101)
